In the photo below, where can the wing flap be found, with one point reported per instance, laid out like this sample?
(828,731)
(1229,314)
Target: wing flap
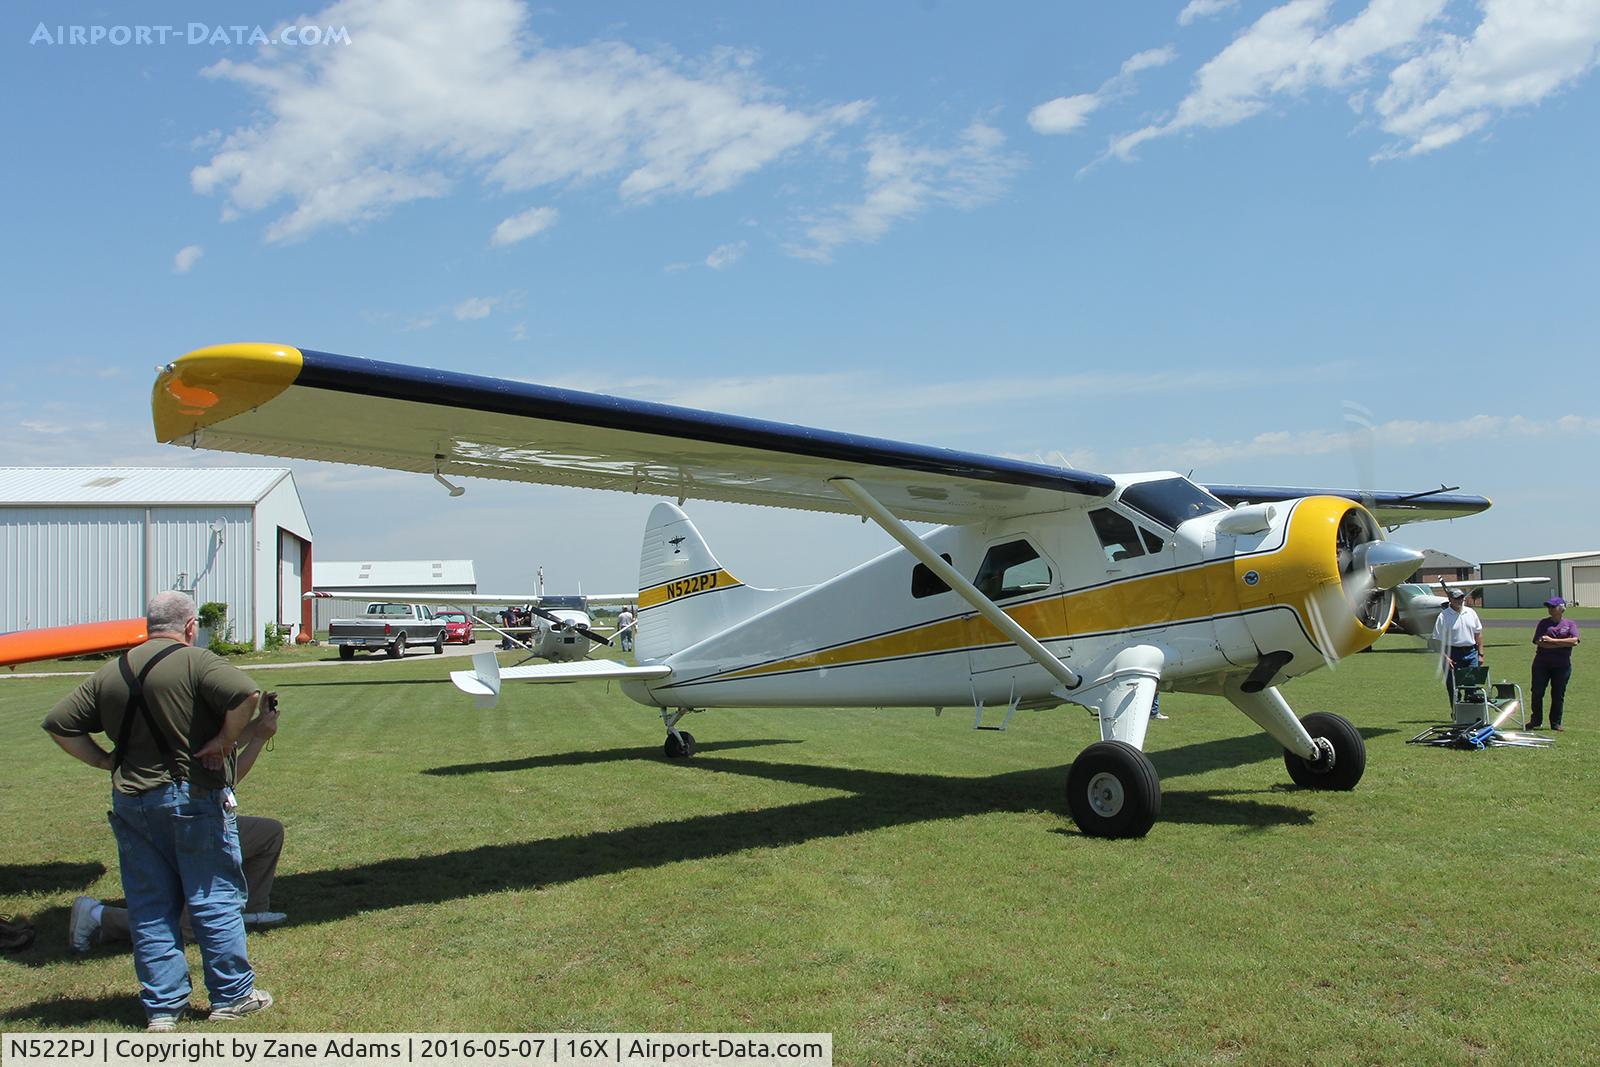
(313,405)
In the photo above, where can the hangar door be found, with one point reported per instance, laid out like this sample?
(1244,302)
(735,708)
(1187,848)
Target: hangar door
(289,554)
(1586,585)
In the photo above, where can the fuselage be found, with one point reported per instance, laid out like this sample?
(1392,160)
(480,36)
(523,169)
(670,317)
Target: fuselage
(1160,563)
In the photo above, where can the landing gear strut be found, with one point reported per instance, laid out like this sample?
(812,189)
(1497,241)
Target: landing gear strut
(680,743)
(1113,791)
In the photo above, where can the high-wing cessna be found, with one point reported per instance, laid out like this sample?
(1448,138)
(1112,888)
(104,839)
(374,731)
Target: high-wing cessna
(1417,606)
(1044,585)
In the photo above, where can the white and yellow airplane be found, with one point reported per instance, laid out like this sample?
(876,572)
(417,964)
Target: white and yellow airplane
(1044,585)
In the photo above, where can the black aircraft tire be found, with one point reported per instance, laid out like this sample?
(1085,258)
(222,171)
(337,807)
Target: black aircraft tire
(1113,791)
(1349,754)
(675,750)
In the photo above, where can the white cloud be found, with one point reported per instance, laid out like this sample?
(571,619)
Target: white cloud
(1200,9)
(429,94)
(474,307)
(903,180)
(1066,113)
(522,226)
(1063,114)
(40,426)
(186,258)
(1522,52)
(724,256)
(1440,87)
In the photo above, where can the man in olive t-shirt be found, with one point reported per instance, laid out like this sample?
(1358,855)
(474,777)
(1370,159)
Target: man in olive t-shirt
(171,810)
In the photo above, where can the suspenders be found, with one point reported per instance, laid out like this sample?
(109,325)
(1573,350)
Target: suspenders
(136,703)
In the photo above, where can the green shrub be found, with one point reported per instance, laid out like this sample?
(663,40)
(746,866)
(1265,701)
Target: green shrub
(275,636)
(211,615)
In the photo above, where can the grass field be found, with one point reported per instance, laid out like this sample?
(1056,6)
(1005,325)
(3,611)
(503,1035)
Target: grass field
(899,880)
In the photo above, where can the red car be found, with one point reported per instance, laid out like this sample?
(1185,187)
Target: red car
(457,627)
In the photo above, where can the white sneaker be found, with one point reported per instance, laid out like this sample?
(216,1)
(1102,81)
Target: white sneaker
(1159,715)
(83,925)
(265,919)
(257,999)
(161,1024)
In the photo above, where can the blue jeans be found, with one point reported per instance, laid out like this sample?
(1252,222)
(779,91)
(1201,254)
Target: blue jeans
(1465,656)
(176,849)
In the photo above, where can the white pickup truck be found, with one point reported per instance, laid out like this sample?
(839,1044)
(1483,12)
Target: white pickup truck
(391,627)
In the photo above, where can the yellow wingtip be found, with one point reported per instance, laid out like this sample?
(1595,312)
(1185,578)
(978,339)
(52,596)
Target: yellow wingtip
(208,385)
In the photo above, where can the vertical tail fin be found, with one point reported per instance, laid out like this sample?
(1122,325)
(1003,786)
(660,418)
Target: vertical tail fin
(684,594)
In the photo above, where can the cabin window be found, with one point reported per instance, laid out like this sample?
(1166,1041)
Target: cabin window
(1171,501)
(926,583)
(1119,537)
(1012,569)
(1151,541)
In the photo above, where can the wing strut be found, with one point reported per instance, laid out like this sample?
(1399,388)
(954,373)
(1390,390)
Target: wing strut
(870,508)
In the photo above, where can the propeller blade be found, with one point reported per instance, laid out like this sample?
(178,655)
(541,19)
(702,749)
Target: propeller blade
(564,624)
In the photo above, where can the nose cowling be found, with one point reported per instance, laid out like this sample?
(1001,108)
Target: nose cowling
(1336,573)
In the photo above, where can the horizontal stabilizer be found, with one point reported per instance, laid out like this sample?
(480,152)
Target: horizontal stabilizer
(483,681)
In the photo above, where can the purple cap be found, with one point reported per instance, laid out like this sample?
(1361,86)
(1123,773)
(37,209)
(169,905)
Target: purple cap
(1555,602)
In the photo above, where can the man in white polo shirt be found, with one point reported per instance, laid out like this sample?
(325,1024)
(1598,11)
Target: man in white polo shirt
(1459,632)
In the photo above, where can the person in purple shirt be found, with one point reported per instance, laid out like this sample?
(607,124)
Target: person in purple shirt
(1553,639)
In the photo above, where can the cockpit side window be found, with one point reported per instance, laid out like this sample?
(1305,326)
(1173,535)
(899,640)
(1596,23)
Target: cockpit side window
(1012,569)
(926,583)
(1151,541)
(1119,537)
(1171,501)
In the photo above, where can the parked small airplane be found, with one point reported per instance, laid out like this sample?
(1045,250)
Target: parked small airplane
(1417,606)
(1046,585)
(562,628)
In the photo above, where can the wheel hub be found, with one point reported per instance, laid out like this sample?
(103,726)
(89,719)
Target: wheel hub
(1325,758)
(1105,794)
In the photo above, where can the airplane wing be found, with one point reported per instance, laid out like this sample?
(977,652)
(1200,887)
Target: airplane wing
(280,401)
(28,646)
(483,681)
(1390,508)
(1486,583)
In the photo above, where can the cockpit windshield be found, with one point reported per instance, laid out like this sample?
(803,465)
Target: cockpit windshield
(1171,501)
(568,603)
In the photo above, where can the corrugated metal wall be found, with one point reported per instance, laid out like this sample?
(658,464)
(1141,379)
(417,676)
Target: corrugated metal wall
(212,551)
(62,565)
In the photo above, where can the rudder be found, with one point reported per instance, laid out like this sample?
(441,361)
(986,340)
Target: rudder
(685,595)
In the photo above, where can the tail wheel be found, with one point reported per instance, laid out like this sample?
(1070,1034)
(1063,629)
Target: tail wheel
(398,649)
(676,749)
(1342,759)
(1113,791)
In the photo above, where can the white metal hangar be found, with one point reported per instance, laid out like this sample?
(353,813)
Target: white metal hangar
(88,544)
(1574,576)
(379,578)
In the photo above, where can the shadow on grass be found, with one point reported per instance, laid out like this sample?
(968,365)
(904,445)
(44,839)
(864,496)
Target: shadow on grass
(874,800)
(610,755)
(113,1009)
(18,878)
(358,681)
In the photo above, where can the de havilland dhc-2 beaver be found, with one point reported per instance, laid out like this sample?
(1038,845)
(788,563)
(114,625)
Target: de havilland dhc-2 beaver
(1042,585)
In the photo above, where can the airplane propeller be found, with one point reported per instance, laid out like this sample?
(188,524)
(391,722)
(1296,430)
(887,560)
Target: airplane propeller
(558,623)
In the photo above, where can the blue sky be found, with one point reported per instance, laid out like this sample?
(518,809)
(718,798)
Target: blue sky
(1127,237)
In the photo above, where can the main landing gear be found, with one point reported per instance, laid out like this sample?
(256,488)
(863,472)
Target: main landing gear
(1113,791)
(1341,754)
(680,743)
